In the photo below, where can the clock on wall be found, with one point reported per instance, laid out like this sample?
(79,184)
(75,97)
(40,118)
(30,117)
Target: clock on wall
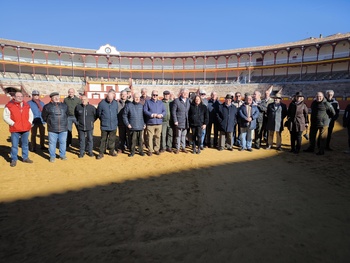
(108,50)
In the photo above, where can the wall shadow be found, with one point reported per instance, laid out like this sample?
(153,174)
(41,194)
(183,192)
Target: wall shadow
(274,209)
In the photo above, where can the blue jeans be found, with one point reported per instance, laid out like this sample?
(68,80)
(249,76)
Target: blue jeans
(61,137)
(246,138)
(203,137)
(15,140)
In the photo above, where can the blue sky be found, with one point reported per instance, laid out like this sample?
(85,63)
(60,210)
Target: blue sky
(171,26)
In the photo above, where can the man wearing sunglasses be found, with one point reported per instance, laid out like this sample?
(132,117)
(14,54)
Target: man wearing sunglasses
(154,111)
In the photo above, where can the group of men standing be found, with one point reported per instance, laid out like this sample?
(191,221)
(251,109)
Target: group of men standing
(164,124)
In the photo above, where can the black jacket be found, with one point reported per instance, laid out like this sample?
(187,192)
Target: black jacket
(227,117)
(198,115)
(56,116)
(86,116)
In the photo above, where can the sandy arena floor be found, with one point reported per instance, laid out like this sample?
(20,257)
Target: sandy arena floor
(264,206)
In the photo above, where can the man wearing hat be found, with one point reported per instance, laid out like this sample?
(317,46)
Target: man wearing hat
(276,112)
(167,124)
(55,114)
(227,119)
(298,121)
(36,105)
(128,93)
(18,115)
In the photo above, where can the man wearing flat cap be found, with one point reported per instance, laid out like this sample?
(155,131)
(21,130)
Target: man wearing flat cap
(167,124)
(36,105)
(55,114)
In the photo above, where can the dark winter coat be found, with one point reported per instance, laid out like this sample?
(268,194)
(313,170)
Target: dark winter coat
(297,116)
(227,117)
(179,113)
(243,114)
(107,112)
(121,106)
(321,113)
(198,115)
(346,117)
(275,116)
(133,115)
(213,107)
(56,116)
(262,107)
(86,116)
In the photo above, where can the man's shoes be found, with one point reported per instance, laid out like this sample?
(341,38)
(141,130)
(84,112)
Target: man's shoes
(149,154)
(64,158)
(131,154)
(268,147)
(279,149)
(162,150)
(249,149)
(230,149)
(308,150)
(27,160)
(43,148)
(100,156)
(81,156)
(184,151)
(120,151)
(241,149)
(157,153)
(328,149)
(90,154)
(320,153)
(201,147)
(113,153)
(199,150)
(52,159)
(13,163)
(169,150)
(177,151)
(221,149)
(257,147)
(142,153)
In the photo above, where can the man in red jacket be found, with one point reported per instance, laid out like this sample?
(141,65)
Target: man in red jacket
(18,115)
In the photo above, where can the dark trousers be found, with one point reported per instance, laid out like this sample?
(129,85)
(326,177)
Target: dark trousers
(349,136)
(209,128)
(71,120)
(136,140)
(167,136)
(322,137)
(196,135)
(329,135)
(123,137)
(109,138)
(258,134)
(34,131)
(295,140)
(86,141)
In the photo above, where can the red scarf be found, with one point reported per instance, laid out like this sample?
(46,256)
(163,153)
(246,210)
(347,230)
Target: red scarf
(37,101)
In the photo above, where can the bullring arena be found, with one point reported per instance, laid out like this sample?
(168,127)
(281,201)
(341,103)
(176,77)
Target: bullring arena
(219,206)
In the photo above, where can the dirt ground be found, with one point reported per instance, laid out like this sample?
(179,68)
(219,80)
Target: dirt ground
(263,206)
